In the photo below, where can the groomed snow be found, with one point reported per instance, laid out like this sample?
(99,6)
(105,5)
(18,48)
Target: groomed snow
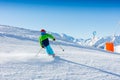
(18,61)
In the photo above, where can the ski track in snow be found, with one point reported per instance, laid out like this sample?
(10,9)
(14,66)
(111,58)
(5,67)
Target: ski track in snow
(53,69)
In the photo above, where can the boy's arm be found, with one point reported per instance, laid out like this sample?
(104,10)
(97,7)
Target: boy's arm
(50,36)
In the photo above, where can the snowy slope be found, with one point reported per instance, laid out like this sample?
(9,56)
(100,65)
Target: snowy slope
(31,35)
(26,34)
(18,60)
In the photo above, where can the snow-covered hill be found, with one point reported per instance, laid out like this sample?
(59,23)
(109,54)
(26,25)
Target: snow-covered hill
(26,34)
(31,35)
(19,60)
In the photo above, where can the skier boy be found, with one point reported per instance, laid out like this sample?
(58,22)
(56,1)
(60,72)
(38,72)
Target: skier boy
(44,42)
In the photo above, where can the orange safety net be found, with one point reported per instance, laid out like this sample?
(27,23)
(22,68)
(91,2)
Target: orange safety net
(110,46)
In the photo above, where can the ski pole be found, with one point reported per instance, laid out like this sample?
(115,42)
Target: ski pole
(61,47)
(39,51)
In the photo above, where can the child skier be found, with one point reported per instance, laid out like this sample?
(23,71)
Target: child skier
(44,42)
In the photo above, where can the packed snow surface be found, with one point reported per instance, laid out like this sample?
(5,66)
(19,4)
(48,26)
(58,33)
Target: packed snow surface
(19,60)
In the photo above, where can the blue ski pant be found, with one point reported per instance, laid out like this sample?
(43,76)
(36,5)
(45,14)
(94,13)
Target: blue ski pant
(49,50)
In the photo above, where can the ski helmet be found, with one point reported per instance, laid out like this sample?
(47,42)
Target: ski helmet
(42,30)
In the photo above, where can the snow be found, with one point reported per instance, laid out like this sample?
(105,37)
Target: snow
(19,60)
(64,39)
(117,49)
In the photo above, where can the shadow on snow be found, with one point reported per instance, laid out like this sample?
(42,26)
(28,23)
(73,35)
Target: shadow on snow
(61,59)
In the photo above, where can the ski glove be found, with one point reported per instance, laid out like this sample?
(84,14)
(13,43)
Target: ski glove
(42,46)
(54,39)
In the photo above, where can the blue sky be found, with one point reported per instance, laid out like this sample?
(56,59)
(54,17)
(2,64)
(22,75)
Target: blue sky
(78,18)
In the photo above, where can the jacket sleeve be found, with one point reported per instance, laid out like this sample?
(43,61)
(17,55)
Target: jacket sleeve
(50,36)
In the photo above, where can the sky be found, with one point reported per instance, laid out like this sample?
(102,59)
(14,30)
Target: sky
(77,18)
